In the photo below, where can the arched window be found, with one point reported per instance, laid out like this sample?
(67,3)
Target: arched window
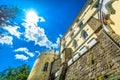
(45,66)
(84,34)
(81,25)
(75,44)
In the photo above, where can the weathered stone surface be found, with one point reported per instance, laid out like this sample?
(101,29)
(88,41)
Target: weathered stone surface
(106,57)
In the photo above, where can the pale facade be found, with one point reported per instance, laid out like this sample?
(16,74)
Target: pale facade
(110,14)
(98,17)
(80,33)
(90,49)
(42,66)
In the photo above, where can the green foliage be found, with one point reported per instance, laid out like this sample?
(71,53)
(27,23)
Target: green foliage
(19,73)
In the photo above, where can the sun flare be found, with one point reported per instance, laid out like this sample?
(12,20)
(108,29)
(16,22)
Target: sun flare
(32,17)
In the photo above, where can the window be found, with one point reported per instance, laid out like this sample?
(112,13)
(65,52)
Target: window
(75,44)
(72,35)
(92,42)
(83,50)
(96,5)
(76,57)
(81,25)
(45,66)
(84,34)
(70,62)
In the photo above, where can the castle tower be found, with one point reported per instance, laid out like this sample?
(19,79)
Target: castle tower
(42,66)
(90,49)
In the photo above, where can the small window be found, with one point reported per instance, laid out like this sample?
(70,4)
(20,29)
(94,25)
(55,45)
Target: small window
(84,34)
(96,5)
(83,50)
(81,25)
(72,35)
(45,66)
(92,42)
(70,62)
(75,44)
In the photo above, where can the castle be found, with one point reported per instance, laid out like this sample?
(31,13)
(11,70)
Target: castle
(89,50)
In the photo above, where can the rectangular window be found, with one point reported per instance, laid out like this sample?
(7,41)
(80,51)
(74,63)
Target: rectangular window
(81,25)
(76,57)
(83,50)
(85,34)
(72,35)
(70,62)
(92,42)
(75,45)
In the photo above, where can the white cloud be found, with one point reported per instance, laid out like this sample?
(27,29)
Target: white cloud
(21,57)
(37,51)
(21,49)
(35,33)
(60,35)
(13,30)
(56,45)
(25,50)
(6,40)
(32,17)
(41,19)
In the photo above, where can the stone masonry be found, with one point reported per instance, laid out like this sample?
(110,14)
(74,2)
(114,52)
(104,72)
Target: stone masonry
(101,62)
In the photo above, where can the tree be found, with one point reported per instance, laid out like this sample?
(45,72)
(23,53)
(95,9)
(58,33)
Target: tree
(19,73)
(7,14)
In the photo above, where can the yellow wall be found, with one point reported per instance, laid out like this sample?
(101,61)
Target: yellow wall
(37,72)
(84,17)
(116,17)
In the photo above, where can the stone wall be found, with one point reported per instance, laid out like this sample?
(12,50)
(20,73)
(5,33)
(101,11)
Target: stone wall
(55,66)
(38,72)
(101,62)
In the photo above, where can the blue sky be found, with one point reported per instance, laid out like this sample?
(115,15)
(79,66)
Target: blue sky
(40,27)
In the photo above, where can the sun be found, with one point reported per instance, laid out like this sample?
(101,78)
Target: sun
(32,17)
